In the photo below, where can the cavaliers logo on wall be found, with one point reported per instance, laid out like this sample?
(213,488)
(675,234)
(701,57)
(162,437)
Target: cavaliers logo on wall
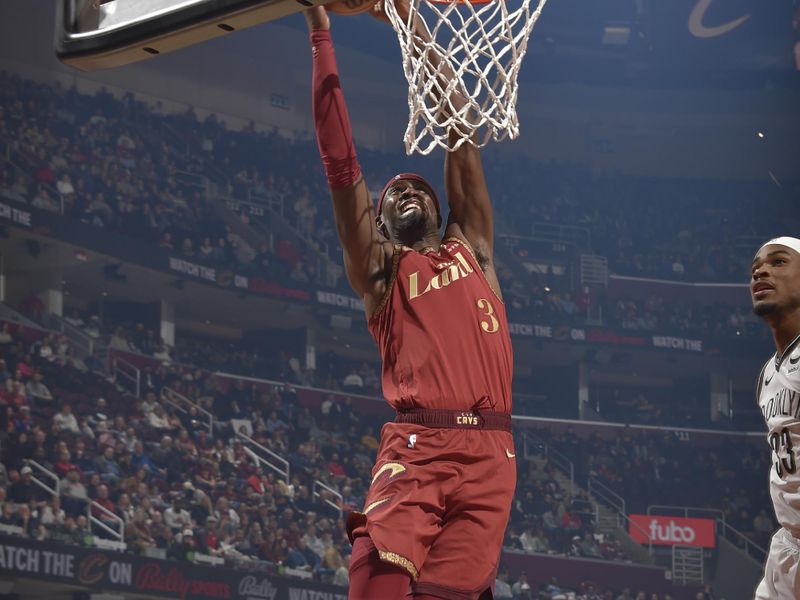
(92,569)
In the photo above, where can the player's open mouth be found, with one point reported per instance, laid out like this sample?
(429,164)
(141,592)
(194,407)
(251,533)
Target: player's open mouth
(762,289)
(410,203)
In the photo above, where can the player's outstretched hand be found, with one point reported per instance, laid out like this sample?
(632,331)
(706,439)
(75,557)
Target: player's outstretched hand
(317,18)
(379,9)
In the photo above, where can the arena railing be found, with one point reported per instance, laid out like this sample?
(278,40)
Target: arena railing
(600,492)
(179,401)
(612,425)
(259,453)
(77,337)
(753,550)
(42,471)
(118,535)
(308,388)
(687,511)
(194,180)
(315,493)
(556,458)
(627,524)
(542,231)
(14,317)
(125,372)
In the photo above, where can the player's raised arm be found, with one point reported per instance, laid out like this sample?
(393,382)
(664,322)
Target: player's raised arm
(465,187)
(365,249)
(465,184)
(469,202)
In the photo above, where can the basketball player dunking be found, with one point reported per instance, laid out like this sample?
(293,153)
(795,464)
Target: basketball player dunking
(436,510)
(775,290)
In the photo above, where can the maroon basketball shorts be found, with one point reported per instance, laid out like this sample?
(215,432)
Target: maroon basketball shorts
(440,497)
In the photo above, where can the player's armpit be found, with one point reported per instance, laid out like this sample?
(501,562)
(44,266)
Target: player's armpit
(481,254)
(367,254)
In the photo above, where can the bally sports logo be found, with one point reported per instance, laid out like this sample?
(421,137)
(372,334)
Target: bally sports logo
(672,531)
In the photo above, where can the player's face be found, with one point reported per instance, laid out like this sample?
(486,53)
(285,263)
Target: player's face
(409,211)
(775,280)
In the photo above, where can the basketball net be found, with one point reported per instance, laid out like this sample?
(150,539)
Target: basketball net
(482,43)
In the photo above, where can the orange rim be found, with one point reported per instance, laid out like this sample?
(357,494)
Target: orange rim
(460,1)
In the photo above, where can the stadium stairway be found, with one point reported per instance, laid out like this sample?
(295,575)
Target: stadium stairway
(607,518)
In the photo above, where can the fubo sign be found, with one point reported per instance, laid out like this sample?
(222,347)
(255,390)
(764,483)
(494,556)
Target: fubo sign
(672,531)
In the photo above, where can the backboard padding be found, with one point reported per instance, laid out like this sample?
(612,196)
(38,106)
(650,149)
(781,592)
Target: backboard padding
(93,35)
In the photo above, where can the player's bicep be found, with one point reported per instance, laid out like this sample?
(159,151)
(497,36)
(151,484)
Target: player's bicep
(363,245)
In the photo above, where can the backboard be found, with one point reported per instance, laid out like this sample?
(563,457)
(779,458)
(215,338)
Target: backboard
(98,34)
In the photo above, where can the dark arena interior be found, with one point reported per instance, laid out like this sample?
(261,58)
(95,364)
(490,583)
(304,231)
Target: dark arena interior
(191,403)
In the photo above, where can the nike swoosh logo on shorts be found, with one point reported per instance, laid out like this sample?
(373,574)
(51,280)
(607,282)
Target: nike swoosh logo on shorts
(509,454)
(793,361)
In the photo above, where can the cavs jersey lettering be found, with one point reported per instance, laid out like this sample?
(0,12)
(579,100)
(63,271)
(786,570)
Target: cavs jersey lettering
(779,401)
(442,333)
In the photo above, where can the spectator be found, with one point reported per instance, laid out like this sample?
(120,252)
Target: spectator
(158,419)
(184,550)
(176,517)
(43,201)
(102,500)
(52,514)
(341,576)
(106,466)
(588,547)
(502,589)
(73,493)
(64,420)
(36,390)
(125,510)
(5,337)
(65,187)
(64,464)
(9,516)
(302,557)
(24,490)
(353,381)
(29,523)
(521,588)
(137,533)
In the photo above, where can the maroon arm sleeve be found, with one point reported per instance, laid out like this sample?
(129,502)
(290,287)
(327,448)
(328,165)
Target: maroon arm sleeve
(334,135)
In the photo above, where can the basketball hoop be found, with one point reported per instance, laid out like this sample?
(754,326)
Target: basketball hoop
(482,43)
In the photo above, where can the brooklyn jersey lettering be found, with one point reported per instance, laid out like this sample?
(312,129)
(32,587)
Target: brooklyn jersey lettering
(779,400)
(442,333)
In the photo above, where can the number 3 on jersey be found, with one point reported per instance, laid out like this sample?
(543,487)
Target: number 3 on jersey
(781,443)
(489,322)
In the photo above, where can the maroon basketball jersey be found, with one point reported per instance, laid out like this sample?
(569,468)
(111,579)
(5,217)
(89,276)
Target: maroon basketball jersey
(443,333)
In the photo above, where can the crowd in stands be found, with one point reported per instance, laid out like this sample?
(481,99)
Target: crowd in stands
(521,589)
(178,488)
(121,165)
(674,468)
(112,164)
(124,165)
(182,488)
(109,162)
(544,302)
(546,518)
(266,357)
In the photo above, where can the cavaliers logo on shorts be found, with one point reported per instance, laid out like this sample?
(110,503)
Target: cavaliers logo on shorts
(384,475)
